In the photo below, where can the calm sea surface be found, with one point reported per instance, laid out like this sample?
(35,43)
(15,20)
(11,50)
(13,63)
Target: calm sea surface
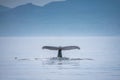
(21,58)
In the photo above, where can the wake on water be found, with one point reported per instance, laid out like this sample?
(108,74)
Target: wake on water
(53,58)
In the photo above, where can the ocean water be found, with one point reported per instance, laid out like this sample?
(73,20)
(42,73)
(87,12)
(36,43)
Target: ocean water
(22,58)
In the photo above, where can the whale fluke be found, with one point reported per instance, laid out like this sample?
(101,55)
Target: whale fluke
(60,49)
(50,47)
(70,47)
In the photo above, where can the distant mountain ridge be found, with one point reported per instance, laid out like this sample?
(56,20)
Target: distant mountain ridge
(3,9)
(75,17)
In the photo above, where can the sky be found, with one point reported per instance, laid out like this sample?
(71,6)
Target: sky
(66,18)
(15,3)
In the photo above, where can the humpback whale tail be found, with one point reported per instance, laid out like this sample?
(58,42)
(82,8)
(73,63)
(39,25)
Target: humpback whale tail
(60,49)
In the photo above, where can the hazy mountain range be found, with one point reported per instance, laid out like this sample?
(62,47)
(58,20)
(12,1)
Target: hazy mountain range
(71,17)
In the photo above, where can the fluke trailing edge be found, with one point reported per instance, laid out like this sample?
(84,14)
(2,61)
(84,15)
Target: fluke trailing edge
(60,49)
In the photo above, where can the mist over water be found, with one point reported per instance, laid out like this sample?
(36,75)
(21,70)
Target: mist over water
(33,63)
